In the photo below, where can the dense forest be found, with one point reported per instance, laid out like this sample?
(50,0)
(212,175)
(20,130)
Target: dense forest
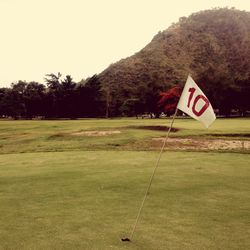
(213,46)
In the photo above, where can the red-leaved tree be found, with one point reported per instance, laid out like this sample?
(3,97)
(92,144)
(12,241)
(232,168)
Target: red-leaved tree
(169,100)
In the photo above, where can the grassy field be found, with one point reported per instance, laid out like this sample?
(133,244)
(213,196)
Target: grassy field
(62,191)
(51,136)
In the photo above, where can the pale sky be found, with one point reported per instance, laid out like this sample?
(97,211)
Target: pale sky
(83,37)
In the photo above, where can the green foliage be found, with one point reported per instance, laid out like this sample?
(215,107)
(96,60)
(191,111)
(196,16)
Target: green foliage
(132,107)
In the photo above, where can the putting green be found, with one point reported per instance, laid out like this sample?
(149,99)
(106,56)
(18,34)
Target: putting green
(89,200)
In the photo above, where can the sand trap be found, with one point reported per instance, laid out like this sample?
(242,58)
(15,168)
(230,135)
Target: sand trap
(191,143)
(96,133)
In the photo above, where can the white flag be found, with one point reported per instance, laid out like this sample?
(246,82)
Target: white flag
(194,103)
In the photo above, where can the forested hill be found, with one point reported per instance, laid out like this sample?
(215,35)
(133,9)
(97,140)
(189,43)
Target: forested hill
(212,45)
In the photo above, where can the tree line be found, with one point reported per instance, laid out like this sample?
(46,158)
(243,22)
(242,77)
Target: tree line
(59,98)
(64,98)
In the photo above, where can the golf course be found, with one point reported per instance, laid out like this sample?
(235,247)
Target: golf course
(78,184)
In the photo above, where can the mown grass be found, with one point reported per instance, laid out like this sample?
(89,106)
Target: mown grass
(59,191)
(88,200)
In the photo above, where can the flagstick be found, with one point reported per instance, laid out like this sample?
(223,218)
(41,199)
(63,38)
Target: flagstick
(151,179)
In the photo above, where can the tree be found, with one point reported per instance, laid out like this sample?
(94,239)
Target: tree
(53,94)
(132,107)
(67,98)
(90,101)
(16,99)
(53,81)
(34,98)
(5,105)
(169,100)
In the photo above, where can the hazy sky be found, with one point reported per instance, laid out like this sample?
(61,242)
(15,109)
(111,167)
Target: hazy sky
(83,37)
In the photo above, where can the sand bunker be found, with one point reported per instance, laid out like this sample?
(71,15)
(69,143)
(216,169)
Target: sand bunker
(96,133)
(203,144)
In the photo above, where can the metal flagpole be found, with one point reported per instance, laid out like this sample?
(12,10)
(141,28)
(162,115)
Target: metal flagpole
(151,180)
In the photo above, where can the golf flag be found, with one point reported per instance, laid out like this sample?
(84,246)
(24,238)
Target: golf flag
(194,103)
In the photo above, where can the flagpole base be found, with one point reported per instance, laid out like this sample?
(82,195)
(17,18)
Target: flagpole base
(125,239)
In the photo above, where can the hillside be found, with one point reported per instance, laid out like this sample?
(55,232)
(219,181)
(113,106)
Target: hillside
(212,45)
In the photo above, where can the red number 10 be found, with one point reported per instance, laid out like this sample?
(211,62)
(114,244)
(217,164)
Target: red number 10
(197,98)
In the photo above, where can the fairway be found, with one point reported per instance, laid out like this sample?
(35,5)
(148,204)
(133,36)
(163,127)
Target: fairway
(60,191)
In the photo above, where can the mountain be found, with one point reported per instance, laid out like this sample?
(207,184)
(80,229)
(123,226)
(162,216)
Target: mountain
(212,45)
